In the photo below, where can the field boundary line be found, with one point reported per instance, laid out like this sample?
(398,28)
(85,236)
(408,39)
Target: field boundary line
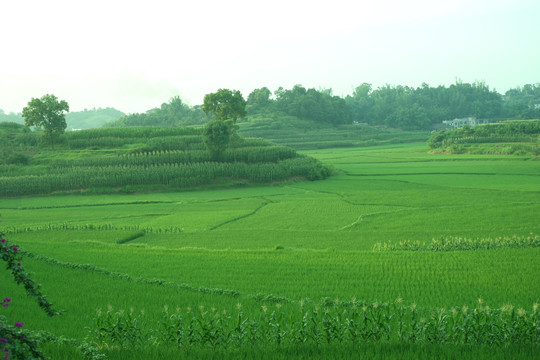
(127,277)
(371,214)
(92,205)
(266,202)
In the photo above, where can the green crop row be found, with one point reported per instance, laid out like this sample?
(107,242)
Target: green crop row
(246,154)
(508,131)
(360,323)
(459,243)
(176,176)
(96,227)
(132,132)
(490,139)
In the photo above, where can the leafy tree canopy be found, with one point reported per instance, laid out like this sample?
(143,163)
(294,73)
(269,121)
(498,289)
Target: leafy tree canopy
(217,135)
(47,113)
(173,113)
(225,104)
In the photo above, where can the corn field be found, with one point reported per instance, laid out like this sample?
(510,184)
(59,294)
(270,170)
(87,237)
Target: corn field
(173,175)
(176,158)
(459,243)
(338,323)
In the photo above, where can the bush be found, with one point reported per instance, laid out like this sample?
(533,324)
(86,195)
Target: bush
(319,172)
(18,159)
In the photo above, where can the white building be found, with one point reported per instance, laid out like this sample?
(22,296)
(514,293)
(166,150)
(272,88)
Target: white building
(459,123)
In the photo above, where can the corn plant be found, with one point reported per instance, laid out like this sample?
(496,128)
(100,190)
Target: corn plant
(346,323)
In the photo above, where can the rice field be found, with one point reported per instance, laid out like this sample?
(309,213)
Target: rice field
(289,245)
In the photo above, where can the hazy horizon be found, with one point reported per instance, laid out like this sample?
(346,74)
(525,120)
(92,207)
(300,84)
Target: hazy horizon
(134,56)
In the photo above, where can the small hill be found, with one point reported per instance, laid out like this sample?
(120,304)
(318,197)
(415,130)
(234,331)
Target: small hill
(516,137)
(11,117)
(76,120)
(302,134)
(144,159)
(91,119)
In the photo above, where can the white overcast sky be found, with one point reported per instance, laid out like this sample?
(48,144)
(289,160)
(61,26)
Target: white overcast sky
(135,55)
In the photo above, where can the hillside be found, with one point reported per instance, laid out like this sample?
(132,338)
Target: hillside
(86,119)
(306,134)
(142,159)
(519,137)
(90,119)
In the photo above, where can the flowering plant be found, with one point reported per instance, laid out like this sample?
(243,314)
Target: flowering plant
(14,341)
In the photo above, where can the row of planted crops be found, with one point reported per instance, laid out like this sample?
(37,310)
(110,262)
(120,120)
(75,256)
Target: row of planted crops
(332,322)
(174,157)
(173,175)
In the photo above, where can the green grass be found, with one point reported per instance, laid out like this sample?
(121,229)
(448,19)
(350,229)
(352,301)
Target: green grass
(289,242)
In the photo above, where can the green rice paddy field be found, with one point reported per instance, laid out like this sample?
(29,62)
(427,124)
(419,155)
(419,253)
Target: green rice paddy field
(286,244)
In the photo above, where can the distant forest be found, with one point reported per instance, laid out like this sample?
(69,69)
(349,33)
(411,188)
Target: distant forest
(86,119)
(391,106)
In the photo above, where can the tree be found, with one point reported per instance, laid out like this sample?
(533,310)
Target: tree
(48,113)
(259,100)
(217,135)
(225,105)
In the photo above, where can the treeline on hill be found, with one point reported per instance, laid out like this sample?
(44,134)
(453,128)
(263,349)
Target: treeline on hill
(398,106)
(509,137)
(173,113)
(86,119)
(391,106)
(141,158)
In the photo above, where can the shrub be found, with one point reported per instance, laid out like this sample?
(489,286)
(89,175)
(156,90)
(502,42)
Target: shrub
(18,159)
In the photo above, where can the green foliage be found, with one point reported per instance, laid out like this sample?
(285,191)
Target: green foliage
(225,239)
(217,135)
(392,106)
(435,141)
(259,101)
(11,148)
(18,158)
(524,102)
(48,113)
(171,114)
(319,172)
(461,140)
(319,106)
(92,118)
(132,159)
(11,117)
(356,322)
(458,243)
(225,105)
(11,255)
(16,342)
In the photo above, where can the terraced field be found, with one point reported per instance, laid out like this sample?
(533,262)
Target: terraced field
(290,243)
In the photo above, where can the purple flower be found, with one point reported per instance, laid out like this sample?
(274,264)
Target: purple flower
(15,248)
(18,264)
(3,241)
(7,299)
(5,341)
(6,302)
(19,324)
